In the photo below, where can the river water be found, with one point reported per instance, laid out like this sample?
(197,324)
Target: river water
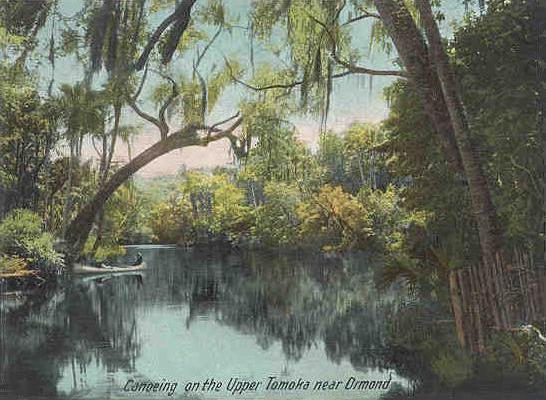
(194,316)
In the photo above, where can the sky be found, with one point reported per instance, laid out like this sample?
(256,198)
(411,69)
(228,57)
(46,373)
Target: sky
(353,100)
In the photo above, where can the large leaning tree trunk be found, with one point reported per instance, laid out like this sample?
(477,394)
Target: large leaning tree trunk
(434,80)
(79,229)
(486,216)
(165,37)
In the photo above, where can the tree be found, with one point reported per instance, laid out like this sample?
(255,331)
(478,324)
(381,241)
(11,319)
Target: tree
(196,98)
(28,125)
(430,71)
(365,162)
(22,238)
(83,115)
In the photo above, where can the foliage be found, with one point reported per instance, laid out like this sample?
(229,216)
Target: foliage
(106,252)
(332,158)
(12,265)
(22,238)
(125,215)
(337,219)
(353,159)
(504,40)
(522,354)
(230,215)
(204,207)
(390,221)
(453,369)
(179,228)
(27,121)
(277,220)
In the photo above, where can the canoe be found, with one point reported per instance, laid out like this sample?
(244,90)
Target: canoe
(86,278)
(80,269)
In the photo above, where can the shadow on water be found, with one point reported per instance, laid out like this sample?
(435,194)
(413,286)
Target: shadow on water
(310,315)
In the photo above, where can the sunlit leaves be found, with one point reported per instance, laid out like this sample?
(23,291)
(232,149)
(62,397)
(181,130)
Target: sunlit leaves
(202,207)
(83,110)
(191,37)
(217,82)
(338,217)
(312,29)
(277,221)
(213,13)
(9,41)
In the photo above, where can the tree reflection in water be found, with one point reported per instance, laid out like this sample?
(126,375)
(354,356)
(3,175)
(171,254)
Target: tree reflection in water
(300,302)
(51,331)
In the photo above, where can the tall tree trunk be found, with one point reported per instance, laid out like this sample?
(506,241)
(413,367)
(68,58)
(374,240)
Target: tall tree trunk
(540,25)
(361,170)
(78,231)
(486,215)
(106,163)
(442,103)
(67,209)
(413,51)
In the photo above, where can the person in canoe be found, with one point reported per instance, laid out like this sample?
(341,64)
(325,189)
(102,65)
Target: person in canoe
(138,261)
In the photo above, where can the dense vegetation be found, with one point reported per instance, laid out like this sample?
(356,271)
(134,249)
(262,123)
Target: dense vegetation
(340,198)
(451,177)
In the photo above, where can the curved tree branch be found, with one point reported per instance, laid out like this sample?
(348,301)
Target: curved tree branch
(144,115)
(365,15)
(289,85)
(207,47)
(79,229)
(180,17)
(357,69)
(160,122)
(202,82)
(164,129)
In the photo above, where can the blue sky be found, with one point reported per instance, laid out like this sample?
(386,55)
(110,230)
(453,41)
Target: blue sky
(352,99)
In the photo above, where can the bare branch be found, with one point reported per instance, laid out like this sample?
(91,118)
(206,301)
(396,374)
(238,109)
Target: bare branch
(144,115)
(163,109)
(202,82)
(225,134)
(213,127)
(141,85)
(289,85)
(163,75)
(189,131)
(365,15)
(207,47)
(99,153)
(357,69)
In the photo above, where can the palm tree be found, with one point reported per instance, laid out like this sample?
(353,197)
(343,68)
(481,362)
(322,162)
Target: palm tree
(83,114)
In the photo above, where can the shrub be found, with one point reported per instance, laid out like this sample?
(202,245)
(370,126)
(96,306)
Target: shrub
(390,221)
(522,355)
(277,219)
(12,264)
(337,219)
(22,236)
(172,221)
(453,369)
(230,215)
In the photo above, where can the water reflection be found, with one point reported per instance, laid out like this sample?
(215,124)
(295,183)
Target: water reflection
(193,316)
